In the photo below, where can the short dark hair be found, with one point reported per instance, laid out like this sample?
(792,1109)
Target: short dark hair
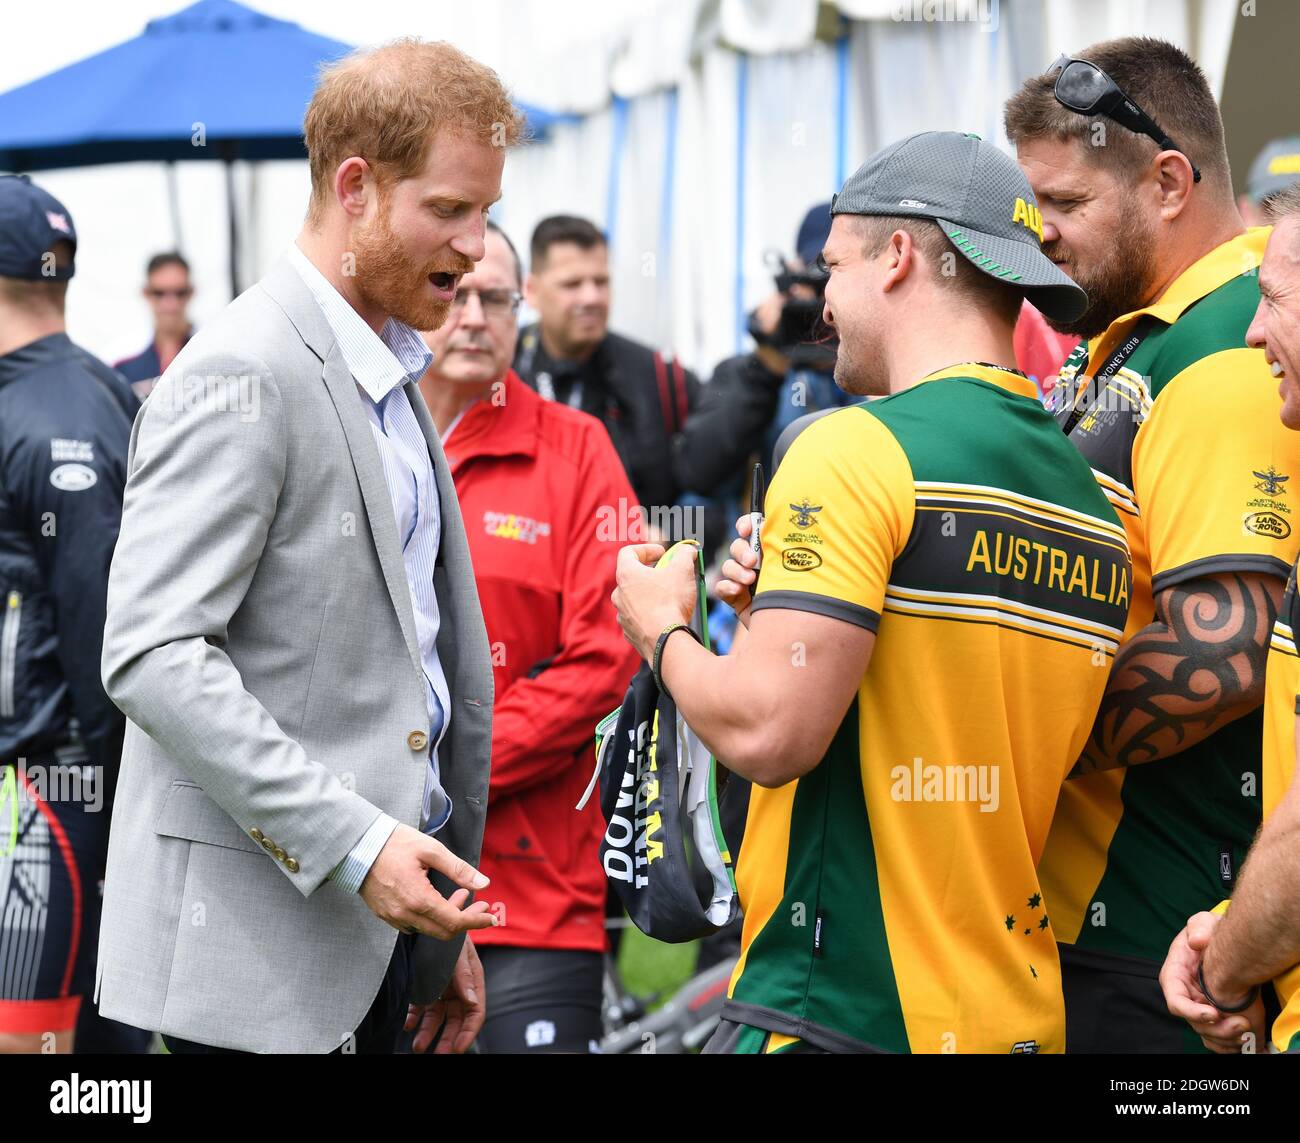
(519,266)
(966,279)
(40,295)
(1162,78)
(34,295)
(562,228)
(167,258)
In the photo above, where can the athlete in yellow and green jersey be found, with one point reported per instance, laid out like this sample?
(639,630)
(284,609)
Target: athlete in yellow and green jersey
(942,590)
(1186,442)
(890,896)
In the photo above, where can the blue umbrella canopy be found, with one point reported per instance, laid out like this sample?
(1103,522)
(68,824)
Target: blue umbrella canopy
(216,80)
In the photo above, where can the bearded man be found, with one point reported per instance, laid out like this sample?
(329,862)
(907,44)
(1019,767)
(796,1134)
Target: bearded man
(1178,417)
(293,630)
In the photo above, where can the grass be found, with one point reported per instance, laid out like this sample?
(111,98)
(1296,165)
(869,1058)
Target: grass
(649,966)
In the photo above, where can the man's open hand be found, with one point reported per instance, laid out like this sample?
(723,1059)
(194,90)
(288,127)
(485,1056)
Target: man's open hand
(397,888)
(459,1011)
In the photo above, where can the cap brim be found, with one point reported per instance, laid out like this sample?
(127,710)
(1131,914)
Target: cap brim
(1054,293)
(1261,190)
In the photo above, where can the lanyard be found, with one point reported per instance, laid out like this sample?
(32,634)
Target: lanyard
(1141,330)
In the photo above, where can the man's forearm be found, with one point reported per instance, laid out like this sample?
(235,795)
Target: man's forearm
(1197,667)
(1259,936)
(705,688)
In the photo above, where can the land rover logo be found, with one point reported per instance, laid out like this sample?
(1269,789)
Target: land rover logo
(1268,524)
(73,477)
(800,559)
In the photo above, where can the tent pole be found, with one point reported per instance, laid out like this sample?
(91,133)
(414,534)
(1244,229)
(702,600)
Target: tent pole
(174,207)
(233,227)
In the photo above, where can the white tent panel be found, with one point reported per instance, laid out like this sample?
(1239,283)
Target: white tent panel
(687,265)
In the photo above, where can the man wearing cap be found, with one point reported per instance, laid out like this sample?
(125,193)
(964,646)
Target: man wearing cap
(1275,168)
(1179,420)
(928,559)
(65,420)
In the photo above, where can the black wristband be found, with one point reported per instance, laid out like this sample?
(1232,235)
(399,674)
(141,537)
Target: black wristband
(1250,996)
(656,662)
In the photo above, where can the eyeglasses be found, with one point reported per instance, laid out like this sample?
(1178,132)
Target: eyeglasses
(495,303)
(179,295)
(1084,88)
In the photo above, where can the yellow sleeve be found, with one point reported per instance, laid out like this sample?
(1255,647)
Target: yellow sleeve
(838,513)
(1216,474)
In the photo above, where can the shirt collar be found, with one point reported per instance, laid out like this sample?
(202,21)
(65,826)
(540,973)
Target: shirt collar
(1228,260)
(378,363)
(34,354)
(1007,379)
(508,427)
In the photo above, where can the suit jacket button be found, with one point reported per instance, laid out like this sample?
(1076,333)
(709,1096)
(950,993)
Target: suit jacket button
(255,834)
(268,845)
(291,864)
(280,855)
(417,740)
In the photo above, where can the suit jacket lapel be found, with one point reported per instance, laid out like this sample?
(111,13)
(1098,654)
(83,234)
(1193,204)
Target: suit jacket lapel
(290,292)
(374,492)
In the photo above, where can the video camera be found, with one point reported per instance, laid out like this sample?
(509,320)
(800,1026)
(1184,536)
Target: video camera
(800,336)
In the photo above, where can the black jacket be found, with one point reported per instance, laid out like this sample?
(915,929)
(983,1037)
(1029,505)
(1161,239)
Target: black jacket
(727,427)
(65,425)
(642,402)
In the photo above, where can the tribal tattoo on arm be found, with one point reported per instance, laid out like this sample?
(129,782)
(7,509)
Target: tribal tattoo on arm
(1197,666)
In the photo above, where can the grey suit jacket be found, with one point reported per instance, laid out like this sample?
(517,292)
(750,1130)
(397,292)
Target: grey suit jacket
(261,641)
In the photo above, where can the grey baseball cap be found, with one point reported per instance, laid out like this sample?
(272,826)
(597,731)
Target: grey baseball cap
(1275,168)
(982,202)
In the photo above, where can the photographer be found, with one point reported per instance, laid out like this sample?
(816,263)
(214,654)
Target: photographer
(754,396)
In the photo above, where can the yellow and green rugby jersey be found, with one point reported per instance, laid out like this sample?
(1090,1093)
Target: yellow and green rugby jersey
(1281,706)
(891,900)
(1186,442)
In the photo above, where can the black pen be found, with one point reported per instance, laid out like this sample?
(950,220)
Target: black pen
(756,494)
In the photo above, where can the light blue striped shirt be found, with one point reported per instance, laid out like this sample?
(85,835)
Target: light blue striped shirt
(380,365)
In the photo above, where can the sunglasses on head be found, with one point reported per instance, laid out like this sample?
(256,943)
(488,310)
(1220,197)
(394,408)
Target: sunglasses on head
(1084,88)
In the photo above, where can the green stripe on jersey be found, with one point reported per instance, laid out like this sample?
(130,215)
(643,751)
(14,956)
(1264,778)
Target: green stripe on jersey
(823,956)
(1218,322)
(967,431)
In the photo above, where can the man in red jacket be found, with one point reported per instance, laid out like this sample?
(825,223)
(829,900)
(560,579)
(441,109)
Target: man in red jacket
(547,505)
